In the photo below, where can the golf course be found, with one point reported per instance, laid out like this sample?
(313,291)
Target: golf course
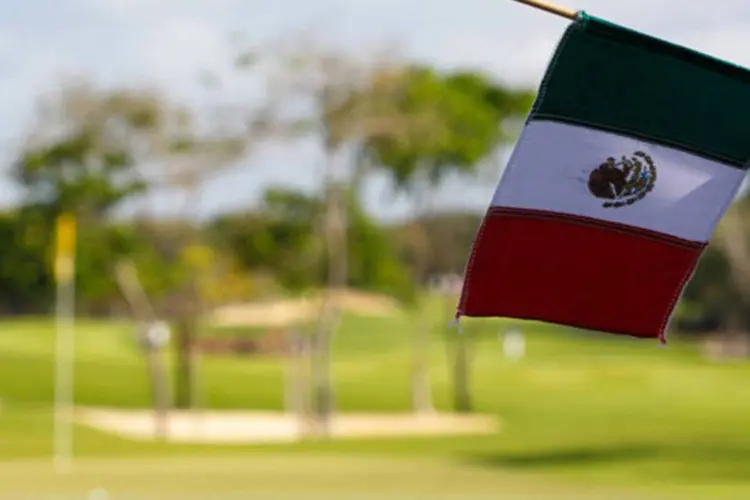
(582,415)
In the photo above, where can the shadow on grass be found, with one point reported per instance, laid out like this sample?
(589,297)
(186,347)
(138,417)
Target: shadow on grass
(687,463)
(566,457)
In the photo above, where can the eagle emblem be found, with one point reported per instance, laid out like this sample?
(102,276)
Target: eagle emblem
(623,182)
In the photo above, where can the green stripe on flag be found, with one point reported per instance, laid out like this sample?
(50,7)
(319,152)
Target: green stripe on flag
(612,78)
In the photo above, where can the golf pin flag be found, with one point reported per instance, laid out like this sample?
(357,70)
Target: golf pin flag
(65,248)
(632,152)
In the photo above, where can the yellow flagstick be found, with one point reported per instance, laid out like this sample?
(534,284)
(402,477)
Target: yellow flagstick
(550,7)
(65,252)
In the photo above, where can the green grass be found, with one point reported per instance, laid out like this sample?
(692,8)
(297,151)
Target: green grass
(582,414)
(284,477)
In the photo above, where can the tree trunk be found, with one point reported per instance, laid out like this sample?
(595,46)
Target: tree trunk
(322,377)
(733,238)
(185,389)
(127,278)
(191,317)
(462,402)
(459,344)
(306,360)
(160,391)
(421,386)
(335,236)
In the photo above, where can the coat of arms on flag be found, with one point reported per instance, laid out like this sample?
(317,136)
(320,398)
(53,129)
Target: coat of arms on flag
(623,182)
(632,152)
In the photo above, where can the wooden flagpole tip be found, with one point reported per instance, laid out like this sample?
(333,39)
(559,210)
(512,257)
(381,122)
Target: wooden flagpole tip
(551,8)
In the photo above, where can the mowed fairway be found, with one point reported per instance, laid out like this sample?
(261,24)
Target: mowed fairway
(583,416)
(291,477)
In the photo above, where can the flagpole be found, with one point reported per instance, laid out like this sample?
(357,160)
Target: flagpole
(550,7)
(65,343)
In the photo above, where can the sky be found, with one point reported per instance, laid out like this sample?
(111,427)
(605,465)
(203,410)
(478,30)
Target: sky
(168,43)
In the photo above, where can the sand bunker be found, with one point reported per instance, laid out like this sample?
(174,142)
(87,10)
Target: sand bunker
(287,312)
(270,427)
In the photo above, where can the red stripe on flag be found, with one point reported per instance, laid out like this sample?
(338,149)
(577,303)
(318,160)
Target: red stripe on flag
(576,271)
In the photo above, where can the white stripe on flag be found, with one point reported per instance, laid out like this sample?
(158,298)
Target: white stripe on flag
(550,167)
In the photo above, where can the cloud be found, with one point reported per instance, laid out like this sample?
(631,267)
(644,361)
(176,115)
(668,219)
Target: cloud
(169,42)
(515,41)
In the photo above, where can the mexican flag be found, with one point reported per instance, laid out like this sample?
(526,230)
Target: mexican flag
(632,152)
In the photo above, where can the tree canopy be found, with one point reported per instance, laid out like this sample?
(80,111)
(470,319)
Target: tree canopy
(468,117)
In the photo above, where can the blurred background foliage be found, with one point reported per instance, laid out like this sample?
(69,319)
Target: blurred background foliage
(223,282)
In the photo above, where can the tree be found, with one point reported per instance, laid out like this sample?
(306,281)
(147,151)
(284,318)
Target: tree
(102,246)
(449,236)
(717,297)
(83,152)
(721,283)
(345,100)
(26,282)
(91,149)
(280,238)
(470,117)
(82,156)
